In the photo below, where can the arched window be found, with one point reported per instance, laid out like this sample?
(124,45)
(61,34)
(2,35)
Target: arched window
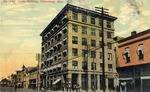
(126,55)
(140,52)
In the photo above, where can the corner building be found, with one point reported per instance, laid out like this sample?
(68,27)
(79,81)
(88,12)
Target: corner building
(71,53)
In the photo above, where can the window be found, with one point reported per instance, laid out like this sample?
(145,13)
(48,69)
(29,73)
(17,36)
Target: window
(75,16)
(111,84)
(65,42)
(84,53)
(84,65)
(109,35)
(74,52)
(93,33)
(101,66)
(108,24)
(75,64)
(93,43)
(109,56)
(100,33)
(110,68)
(100,22)
(109,45)
(84,30)
(59,56)
(100,43)
(55,58)
(101,55)
(140,52)
(93,66)
(74,28)
(74,40)
(92,20)
(64,53)
(65,30)
(84,41)
(126,55)
(93,54)
(93,82)
(84,18)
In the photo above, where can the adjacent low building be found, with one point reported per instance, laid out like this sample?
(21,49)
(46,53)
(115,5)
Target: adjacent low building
(134,62)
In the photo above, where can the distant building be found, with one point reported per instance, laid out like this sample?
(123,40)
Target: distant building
(32,72)
(4,82)
(69,60)
(19,84)
(134,62)
(27,77)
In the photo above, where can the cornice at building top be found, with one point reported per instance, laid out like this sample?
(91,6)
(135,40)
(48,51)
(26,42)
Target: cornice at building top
(134,36)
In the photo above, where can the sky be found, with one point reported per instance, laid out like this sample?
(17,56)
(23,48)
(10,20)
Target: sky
(22,22)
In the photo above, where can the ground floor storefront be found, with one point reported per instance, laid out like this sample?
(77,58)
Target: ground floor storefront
(74,81)
(134,78)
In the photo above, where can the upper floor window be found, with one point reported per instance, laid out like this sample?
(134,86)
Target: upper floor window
(84,30)
(93,43)
(84,18)
(75,16)
(93,66)
(126,55)
(74,40)
(84,53)
(109,56)
(101,66)
(65,42)
(140,52)
(74,52)
(93,32)
(84,65)
(84,41)
(75,64)
(100,33)
(92,20)
(110,67)
(93,54)
(100,22)
(74,28)
(109,35)
(100,43)
(108,24)
(100,55)
(109,45)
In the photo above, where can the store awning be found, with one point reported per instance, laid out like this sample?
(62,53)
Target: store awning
(56,81)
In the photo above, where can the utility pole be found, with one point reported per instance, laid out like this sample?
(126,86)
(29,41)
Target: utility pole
(103,11)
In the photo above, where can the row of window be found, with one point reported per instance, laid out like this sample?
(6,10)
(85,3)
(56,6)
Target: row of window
(93,31)
(93,65)
(93,42)
(57,37)
(92,20)
(54,49)
(93,54)
(140,52)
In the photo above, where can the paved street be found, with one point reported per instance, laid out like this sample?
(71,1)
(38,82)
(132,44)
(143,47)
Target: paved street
(11,89)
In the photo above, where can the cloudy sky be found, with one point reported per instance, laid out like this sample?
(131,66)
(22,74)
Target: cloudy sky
(21,24)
